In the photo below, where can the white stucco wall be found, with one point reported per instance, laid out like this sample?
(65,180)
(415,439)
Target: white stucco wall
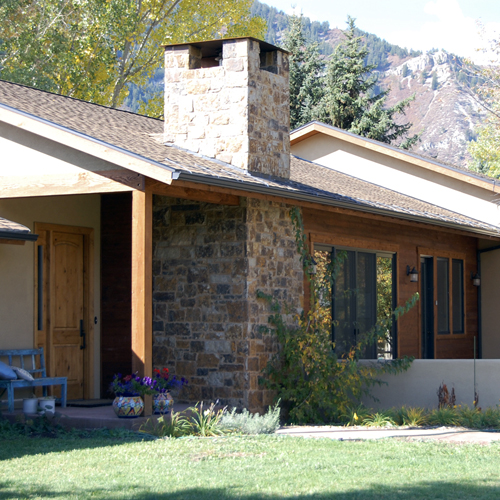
(17,265)
(419,385)
(400,176)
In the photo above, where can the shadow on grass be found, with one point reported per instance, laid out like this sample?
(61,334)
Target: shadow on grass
(428,490)
(39,443)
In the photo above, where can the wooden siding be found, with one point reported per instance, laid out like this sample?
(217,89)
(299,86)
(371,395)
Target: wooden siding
(409,243)
(116,262)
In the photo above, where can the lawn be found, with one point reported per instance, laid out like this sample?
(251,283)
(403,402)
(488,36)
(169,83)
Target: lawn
(245,467)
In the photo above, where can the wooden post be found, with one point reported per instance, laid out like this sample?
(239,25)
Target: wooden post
(142,286)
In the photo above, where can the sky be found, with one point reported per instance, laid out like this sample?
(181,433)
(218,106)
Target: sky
(452,25)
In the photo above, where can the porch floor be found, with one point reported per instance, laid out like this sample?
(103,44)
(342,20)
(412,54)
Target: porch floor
(92,418)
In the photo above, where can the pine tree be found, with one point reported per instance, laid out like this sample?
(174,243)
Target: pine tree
(350,100)
(435,82)
(305,69)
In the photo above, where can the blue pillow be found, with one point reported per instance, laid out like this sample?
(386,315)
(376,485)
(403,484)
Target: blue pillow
(6,372)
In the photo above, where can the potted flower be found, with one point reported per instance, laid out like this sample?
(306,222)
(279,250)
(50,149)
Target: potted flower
(128,390)
(162,385)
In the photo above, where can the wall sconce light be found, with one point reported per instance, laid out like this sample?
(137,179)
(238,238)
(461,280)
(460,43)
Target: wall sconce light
(413,273)
(314,267)
(476,279)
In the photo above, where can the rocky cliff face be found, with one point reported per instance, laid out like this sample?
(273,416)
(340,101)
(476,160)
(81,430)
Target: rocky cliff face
(444,111)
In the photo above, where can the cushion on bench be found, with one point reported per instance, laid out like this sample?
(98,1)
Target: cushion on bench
(6,372)
(22,373)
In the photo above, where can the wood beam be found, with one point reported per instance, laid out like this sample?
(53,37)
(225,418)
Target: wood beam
(11,242)
(53,185)
(142,285)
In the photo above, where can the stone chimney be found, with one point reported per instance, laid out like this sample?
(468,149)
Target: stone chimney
(229,99)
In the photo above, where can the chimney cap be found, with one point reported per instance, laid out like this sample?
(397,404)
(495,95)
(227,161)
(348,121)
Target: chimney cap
(212,48)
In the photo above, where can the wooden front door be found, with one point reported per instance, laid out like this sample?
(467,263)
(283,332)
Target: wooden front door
(64,316)
(67,333)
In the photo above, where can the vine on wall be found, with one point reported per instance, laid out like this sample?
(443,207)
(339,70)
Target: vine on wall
(313,382)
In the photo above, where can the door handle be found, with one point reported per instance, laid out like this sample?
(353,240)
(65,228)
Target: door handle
(83,345)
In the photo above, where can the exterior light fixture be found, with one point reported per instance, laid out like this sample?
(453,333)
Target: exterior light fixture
(413,273)
(314,266)
(476,279)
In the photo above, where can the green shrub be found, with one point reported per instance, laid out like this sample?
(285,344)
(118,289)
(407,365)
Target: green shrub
(469,417)
(412,416)
(354,415)
(207,422)
(490,418)
(444,416)
(173,425)
(379,419)
(247,423)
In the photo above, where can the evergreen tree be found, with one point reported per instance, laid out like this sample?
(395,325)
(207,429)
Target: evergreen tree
(435,82)
(350,102)
(404,72)
(305,69)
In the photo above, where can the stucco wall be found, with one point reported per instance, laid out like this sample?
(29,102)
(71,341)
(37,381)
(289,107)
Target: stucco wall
(400,176)
(17,264)
(419,385)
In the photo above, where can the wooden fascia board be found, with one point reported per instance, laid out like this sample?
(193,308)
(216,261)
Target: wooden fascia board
(192,193)
(329,208)
(86,144)
(11,242)
(316,128)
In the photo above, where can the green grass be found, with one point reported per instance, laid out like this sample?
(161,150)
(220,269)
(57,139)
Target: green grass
(259,467)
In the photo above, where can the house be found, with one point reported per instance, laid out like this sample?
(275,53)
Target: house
(154,237)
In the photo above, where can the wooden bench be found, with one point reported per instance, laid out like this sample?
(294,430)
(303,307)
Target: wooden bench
(19,358)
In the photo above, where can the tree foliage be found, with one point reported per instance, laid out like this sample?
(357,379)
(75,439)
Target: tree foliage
(306,90)
(314,384)
(485,150)
(342,91)
(92,49)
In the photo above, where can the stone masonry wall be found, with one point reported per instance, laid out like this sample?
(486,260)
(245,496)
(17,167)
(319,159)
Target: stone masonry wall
(274,267)
(237,113)
(199,292)
(208,263)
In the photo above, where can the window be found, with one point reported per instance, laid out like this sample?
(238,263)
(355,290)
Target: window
(457,297)
(363,292)
(443,308)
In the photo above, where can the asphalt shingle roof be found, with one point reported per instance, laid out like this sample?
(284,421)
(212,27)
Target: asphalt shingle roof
(142,136)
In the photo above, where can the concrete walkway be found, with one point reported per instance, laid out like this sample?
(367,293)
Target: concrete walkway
(446,434)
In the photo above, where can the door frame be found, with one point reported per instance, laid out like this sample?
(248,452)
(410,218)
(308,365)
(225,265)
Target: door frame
(42,308)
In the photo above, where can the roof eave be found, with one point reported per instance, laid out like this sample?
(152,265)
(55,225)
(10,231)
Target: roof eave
(87,144)
(313,128)
(325,200)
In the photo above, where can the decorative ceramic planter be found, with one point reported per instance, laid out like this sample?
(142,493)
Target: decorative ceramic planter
(30,406)
(47,406)
(128,406)
(162,402)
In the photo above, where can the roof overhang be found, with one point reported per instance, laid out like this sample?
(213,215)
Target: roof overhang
(12,232)
(87,144)
(313,128)
(322,200)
